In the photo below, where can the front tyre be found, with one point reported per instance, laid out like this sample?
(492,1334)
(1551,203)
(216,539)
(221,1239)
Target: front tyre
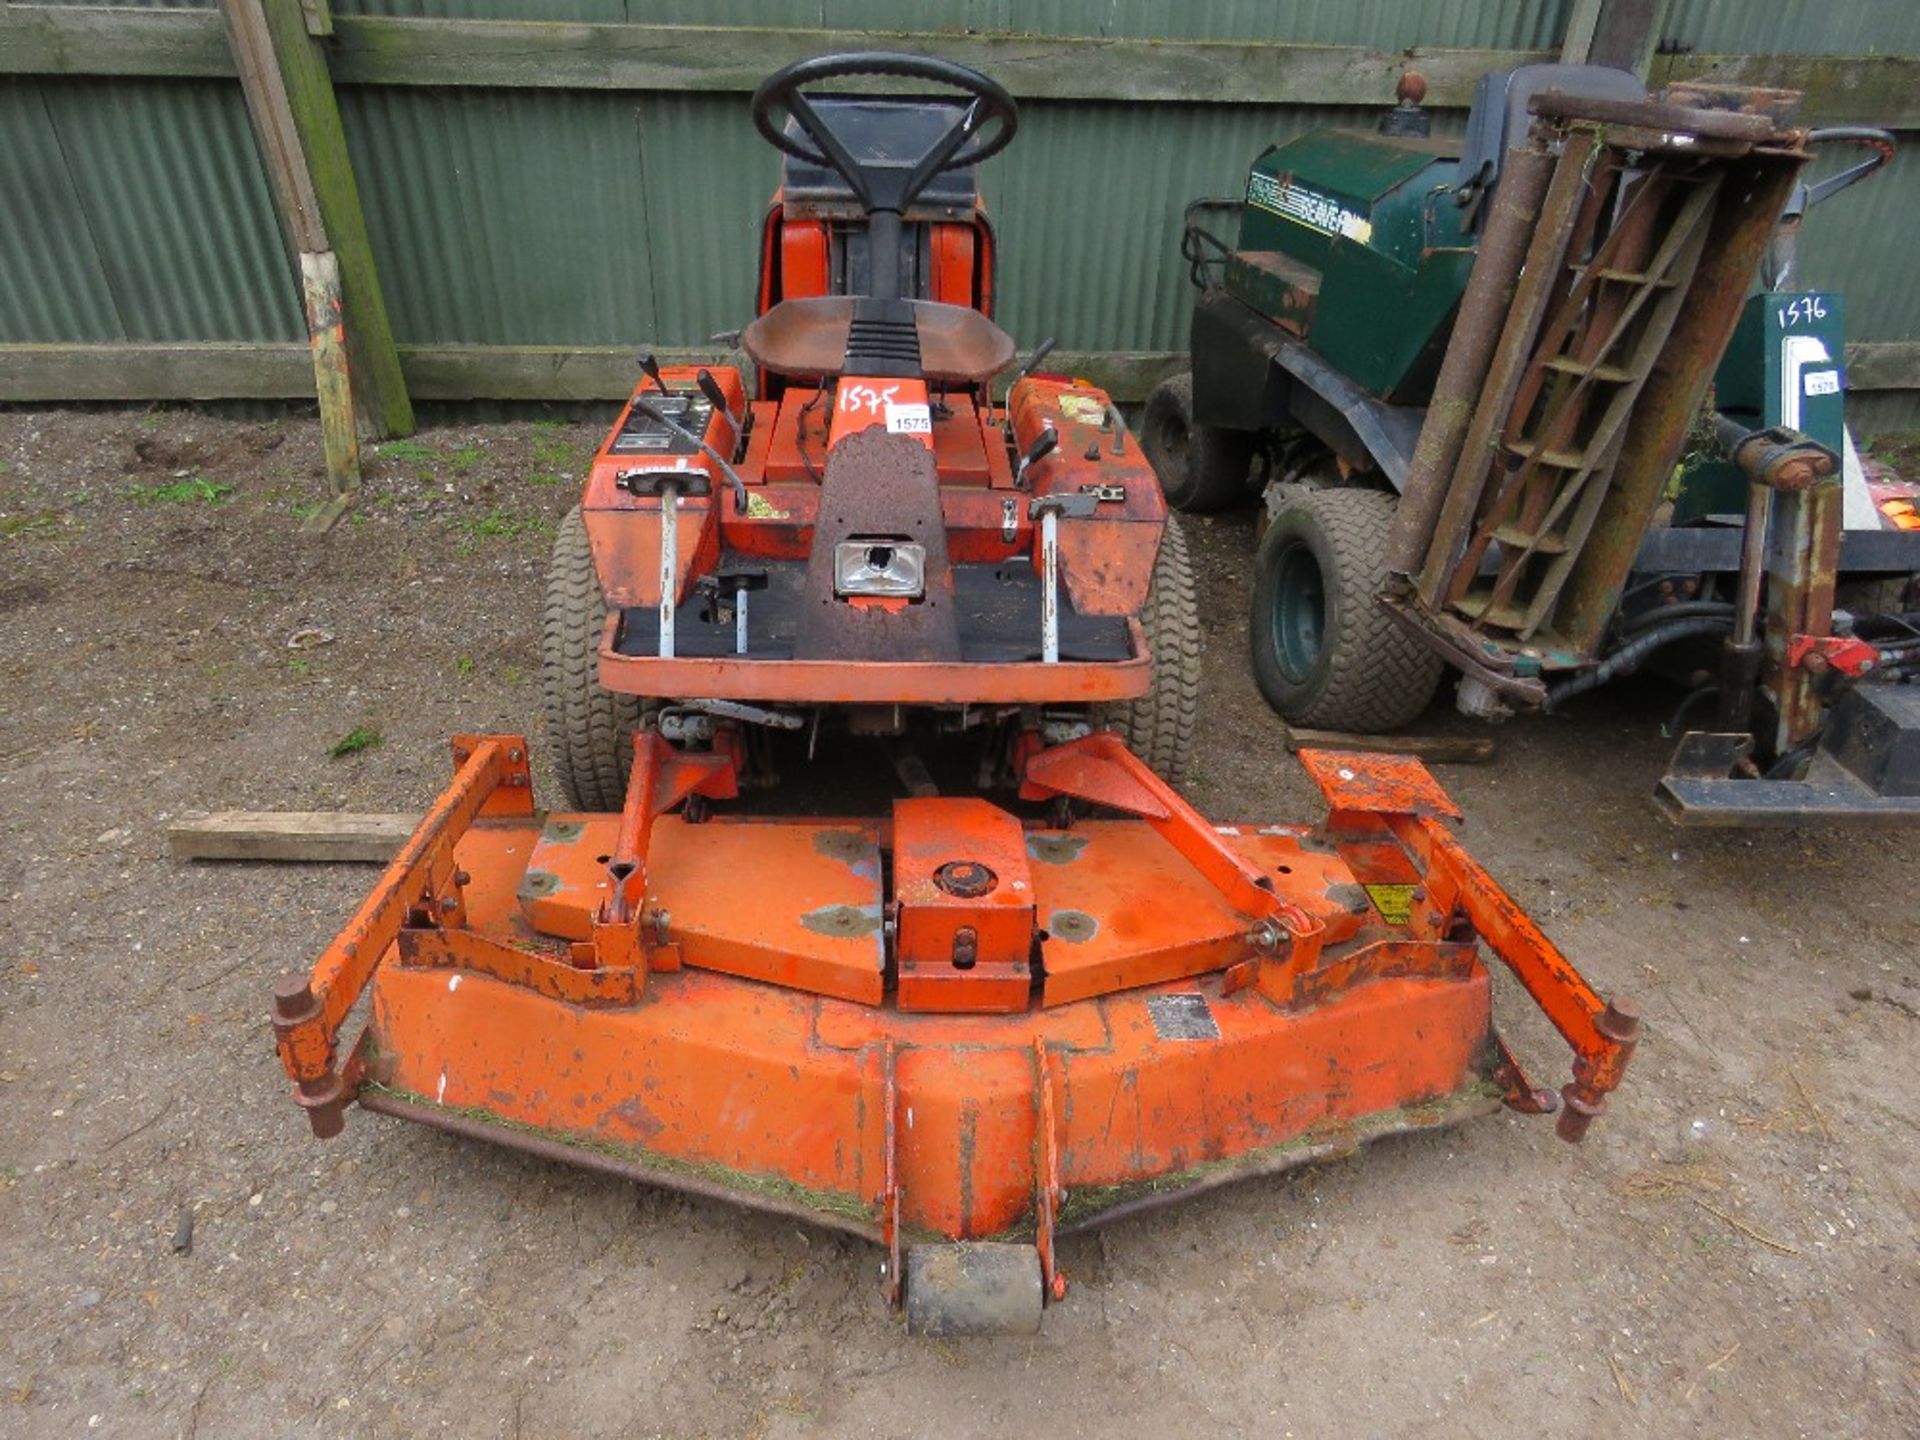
(589,729)
(1325,654)
(1159,726)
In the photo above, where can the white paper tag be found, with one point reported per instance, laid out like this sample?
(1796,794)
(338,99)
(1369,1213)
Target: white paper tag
(909,420)
(1821,382)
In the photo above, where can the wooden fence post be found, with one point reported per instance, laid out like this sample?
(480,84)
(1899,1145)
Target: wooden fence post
(297,120)
(1620,34)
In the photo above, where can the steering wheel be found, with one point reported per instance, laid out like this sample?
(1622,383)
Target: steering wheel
(966,142)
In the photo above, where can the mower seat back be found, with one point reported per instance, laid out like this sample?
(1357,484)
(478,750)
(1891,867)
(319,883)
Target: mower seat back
(885,135)
(815,239)
(1498,120)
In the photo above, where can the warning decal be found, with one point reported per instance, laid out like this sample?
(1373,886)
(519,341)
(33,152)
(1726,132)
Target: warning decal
(1394,902)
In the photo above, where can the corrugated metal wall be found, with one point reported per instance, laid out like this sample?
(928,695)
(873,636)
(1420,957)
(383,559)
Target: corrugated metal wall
(139,209)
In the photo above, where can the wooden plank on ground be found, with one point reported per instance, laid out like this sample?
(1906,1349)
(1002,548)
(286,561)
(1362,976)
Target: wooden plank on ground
(290,835)
(1434,749)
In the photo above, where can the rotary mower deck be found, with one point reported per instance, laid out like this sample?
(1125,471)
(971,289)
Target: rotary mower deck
(968,1025)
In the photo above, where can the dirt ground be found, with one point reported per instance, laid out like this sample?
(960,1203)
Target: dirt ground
(1734,1251)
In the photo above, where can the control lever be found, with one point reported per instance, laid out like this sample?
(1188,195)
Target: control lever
(1040,352)
(1042,446)
(650,367)
(1049,510)
(659,416)
(717,398)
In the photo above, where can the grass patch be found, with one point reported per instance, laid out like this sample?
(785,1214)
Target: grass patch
(408,452)
(14,527)
(465,458)
(464,665)
(194,490)
(502,525)
(361,737)
(499,525)
(553,454)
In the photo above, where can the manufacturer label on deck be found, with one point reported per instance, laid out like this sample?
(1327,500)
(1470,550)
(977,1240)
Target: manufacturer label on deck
(1291,201)
(1182,1017)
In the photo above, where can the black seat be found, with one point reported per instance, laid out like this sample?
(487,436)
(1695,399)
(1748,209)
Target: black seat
(1498,120)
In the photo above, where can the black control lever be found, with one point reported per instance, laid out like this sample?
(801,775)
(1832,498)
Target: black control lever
(1040,352)
(650,367)
(673,426)
(710,388)
(1042,446)
(717,398)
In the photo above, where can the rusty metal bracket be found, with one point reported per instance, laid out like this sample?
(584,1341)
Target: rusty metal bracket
(1101,769)
(1049,1194)
(1399,790)
(1603,1033)
(309,1010)
(890,1172)
(660,779)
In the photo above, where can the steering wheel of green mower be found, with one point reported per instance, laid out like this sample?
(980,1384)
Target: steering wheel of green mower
(966,142)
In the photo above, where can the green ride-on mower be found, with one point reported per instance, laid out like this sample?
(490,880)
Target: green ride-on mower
(1461,377)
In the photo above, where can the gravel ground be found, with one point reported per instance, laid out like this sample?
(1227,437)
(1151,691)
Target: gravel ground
(1732,1252)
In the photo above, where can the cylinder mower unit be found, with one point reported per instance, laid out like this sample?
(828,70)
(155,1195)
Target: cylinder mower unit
(980,1020)
(1463,373)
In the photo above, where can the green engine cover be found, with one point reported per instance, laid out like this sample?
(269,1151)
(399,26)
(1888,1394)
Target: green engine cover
(1349,241)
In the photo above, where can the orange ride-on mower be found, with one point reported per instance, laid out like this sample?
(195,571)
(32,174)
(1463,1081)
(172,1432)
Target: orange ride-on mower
(968,1025)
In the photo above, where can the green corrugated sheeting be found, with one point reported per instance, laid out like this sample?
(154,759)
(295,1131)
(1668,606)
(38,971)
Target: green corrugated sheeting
(138,209)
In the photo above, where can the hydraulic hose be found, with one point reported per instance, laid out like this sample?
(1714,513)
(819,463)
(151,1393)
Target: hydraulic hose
(1632,655)
(1680,610)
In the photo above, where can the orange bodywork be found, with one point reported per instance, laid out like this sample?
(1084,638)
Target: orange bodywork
(944,1023)
(1106,559)
(956,1020)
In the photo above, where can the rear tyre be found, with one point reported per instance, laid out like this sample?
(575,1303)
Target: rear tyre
(589,729)
(1201,467)
(1159,726)
(1325,655)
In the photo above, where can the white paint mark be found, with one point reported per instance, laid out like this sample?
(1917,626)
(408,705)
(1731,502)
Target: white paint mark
(453,983)
(440,1095)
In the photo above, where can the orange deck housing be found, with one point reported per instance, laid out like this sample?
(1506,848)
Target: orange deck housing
(1144,1006)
